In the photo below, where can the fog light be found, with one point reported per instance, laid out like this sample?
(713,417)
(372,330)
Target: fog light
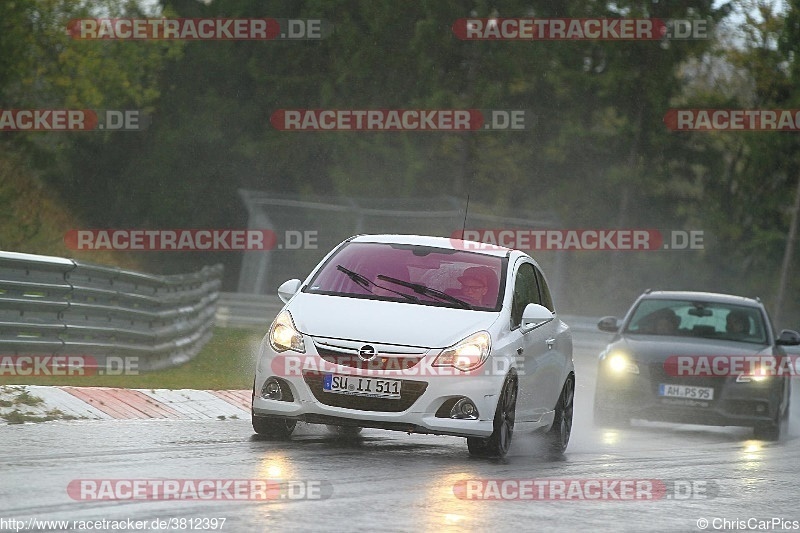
(464,409)
(272,390)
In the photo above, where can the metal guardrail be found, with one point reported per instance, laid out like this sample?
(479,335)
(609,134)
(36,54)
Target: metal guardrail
(51,305)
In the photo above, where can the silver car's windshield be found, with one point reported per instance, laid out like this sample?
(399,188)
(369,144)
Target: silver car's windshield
(698,319)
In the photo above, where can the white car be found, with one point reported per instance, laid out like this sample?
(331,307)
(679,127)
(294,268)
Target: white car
(423,335)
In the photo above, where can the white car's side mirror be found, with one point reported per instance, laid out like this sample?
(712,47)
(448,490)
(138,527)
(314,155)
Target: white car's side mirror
(289,289)
(534,316)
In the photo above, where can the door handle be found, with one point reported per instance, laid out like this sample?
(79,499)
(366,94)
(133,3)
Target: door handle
(550,343)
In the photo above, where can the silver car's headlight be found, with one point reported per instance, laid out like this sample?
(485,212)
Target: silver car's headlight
(619,362)
(758,375)
(284,336)
(467,354)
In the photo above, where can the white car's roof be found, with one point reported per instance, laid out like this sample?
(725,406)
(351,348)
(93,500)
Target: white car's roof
(437,242)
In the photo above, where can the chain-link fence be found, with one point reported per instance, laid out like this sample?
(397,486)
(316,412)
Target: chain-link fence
(307,227)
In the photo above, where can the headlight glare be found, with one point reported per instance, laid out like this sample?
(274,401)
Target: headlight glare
(758,376)
(619,362)
(284,336)
(468,354)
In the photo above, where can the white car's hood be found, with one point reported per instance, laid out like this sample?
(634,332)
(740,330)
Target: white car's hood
(377,321)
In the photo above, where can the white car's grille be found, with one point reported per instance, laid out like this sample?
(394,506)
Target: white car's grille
(367,355)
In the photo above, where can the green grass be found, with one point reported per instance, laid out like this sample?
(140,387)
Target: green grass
(18,417)
(21,397)
(226,362)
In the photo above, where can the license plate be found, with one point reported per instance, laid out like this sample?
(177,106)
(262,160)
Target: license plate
(359,386)
(686,391)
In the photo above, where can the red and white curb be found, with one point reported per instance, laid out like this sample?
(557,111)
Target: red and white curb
(104,403)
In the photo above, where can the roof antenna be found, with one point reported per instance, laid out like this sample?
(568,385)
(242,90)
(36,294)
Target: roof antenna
(466,210)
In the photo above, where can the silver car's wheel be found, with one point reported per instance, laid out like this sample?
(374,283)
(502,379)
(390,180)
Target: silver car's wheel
(772,431)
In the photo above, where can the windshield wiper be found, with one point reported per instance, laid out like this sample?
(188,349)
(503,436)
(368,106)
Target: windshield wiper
(363,281)
(427,291)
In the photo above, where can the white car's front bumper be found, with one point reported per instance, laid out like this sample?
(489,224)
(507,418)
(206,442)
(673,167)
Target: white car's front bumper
(309,403)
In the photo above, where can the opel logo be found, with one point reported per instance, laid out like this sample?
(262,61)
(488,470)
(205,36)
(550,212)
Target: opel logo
(367,353)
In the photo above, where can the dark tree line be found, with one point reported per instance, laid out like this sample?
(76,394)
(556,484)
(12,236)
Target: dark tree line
(599,156)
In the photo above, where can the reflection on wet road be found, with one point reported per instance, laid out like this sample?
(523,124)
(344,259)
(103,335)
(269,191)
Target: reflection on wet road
(384,481)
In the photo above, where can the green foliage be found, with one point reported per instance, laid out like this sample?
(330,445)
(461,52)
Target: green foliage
(747,179)
(226,362)
(43,66)
(599,155)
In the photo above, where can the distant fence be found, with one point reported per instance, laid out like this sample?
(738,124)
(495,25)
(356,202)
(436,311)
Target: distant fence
(331,219)
(240,310)
(51,305)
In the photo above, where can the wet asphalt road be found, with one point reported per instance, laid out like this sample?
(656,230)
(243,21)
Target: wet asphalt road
(387,481)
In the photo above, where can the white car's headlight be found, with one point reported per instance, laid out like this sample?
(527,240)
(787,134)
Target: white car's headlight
(283,335)
(619,362)
(467,354)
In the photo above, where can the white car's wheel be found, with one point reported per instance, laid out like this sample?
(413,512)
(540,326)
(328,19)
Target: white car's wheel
(274,427)
(499,442)
(562,424)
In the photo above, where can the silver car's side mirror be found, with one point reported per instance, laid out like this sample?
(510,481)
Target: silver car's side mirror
(609,324)
(289,289)
(788,337)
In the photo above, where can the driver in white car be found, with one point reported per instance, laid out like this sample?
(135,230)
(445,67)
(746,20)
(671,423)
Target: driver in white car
(475,284)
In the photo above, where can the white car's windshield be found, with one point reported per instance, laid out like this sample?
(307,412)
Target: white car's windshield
(413,274)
